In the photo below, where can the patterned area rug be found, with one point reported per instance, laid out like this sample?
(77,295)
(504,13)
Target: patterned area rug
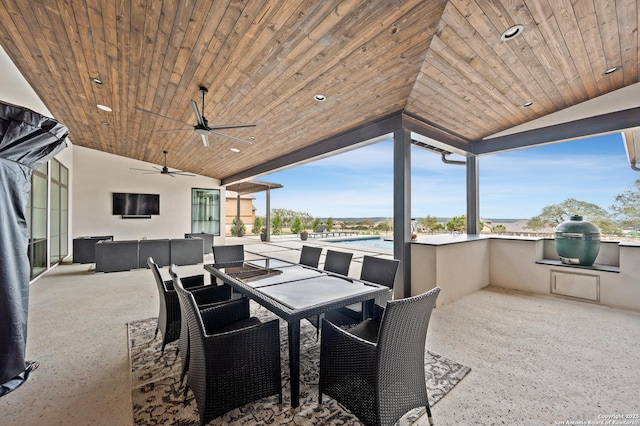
(158,396)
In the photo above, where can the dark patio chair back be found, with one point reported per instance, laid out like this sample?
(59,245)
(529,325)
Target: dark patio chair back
(227,254)
(232,365)
(391,373)
(379,270)
(337,262)
(169,313)
(310,256)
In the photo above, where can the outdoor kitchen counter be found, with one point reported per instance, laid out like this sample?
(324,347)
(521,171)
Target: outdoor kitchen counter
(462,264)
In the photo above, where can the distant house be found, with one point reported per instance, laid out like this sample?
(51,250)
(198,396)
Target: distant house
(247,210)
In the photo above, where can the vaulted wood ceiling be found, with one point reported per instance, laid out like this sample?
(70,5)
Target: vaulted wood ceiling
(442,63)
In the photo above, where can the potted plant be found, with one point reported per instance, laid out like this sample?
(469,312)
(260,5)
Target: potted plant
(237,227)
(263,234)
(297,227)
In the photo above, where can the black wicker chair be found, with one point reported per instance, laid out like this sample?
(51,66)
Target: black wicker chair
(337,262)
(376,369)
(227,254)
(169,323)
(310,256)
(376,270)
(234,359)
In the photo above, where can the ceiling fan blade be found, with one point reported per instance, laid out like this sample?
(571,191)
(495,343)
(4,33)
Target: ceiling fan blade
(161,116)
(231,126)
(172,130)
(197,113)
(142,170)
(230,137)
(181,173)
(205,140)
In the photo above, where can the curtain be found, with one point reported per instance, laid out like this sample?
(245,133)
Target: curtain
(27,140)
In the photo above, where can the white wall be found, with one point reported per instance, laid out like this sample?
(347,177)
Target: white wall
(96,175)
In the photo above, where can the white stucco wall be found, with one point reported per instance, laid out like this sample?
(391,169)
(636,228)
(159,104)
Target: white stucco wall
(96,175)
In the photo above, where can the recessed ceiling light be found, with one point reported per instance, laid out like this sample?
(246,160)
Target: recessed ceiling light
(235,150)
(612,70)
(527,104)
(253,138)
(104,108)
(105,123)
(511,32)
(96,80)
(320,97)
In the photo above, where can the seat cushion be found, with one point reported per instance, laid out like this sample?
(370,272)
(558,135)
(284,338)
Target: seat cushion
(367,330)
(247,322)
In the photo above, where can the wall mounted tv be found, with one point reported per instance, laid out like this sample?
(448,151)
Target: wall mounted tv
(136,204)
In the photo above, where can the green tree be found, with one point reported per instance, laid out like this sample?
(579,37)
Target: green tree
(276,223)
(257,225)
(555,214)
(626,207)
(430,223)
(499,229)
(383,226)
(316,223)
(296,225)
(329,224)
(457,223)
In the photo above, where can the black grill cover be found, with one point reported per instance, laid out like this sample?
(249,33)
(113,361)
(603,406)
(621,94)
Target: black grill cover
(27,140)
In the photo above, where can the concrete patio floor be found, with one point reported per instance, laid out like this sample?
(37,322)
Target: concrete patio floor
(535,360)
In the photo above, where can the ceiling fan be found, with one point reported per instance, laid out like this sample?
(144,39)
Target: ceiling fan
(164,170)
(202,127)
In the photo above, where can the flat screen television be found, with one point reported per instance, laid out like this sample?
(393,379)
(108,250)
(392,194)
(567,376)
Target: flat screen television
(136,204)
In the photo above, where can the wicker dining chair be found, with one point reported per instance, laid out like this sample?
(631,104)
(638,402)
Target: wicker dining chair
(234,358)
(337,262)
(376,270)
(169,323)
(310,256)
(376,369)
(226,254)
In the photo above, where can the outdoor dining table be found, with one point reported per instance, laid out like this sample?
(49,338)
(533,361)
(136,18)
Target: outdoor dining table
(294,292)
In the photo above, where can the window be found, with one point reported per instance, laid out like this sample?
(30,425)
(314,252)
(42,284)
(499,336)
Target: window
(36,216)
(59,211)
(205,211)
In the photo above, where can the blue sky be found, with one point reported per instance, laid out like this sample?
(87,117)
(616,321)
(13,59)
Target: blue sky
(515,184)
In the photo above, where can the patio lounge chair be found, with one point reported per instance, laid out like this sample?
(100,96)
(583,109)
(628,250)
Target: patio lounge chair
(376,369)
(234,359)
(319,232)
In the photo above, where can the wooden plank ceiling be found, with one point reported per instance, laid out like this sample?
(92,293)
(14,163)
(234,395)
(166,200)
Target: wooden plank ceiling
(441,62)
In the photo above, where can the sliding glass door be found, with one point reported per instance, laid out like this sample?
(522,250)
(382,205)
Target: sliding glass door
(205,211)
